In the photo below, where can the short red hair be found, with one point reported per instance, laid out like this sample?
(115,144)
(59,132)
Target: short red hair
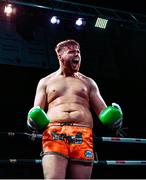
(65,43)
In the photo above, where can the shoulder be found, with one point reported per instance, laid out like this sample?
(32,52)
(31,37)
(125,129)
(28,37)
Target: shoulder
(91,82)
(44,80)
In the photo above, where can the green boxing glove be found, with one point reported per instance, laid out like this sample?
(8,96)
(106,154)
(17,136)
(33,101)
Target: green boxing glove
(112,116)
(37,118)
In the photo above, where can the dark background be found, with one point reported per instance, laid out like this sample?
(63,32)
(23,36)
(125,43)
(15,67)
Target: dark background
(114,57)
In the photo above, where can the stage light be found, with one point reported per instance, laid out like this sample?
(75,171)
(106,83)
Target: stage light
(9,9)
(101,23)
(80,22)
(55,20)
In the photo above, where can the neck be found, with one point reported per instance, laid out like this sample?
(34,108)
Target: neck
(67,72)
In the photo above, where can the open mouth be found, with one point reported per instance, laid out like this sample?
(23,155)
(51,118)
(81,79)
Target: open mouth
(75,61)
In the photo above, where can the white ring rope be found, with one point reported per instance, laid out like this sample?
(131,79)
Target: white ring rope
(123,140)
(121,162)
(99,162)
(34,136)
(100,139)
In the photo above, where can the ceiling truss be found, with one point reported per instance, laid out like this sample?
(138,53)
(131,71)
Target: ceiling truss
(86,10)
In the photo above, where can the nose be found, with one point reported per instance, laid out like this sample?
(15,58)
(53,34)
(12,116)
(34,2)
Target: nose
(77,53)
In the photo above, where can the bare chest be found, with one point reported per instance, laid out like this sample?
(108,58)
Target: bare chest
(67,87)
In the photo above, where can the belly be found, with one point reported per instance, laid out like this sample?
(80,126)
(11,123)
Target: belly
(72,113)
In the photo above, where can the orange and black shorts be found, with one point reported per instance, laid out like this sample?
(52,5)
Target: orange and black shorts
(68,140)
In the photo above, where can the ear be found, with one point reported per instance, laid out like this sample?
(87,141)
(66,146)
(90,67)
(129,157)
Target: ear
(59,57)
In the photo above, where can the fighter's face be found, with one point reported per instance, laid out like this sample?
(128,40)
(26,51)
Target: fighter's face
(71,58)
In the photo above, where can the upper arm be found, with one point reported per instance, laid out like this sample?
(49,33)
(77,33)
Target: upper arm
(40,96)
(96,99)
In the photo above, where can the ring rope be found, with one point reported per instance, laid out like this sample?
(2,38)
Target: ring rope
(123,140)
(121,162)
(99,162)
(34,136)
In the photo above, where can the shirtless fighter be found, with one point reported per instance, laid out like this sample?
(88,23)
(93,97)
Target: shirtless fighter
(68,95)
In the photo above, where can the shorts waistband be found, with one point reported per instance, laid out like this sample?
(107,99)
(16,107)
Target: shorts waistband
(66,124)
